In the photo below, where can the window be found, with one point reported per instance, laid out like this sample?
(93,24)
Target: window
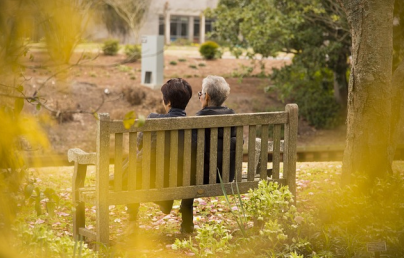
(178,27)
(161,25)
(197,26)
(196,29)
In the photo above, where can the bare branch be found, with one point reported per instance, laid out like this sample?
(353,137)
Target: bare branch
(132,12)
(82,57)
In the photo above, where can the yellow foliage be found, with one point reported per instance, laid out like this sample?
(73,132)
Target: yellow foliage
(15,133)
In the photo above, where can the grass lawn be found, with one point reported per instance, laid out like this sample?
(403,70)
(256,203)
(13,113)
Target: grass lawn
(155,232)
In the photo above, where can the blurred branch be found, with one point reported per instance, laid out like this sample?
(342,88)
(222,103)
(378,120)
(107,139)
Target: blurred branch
(82,57)
(78,111)
(37,100)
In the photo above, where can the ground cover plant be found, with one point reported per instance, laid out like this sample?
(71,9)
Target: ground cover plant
(325,220)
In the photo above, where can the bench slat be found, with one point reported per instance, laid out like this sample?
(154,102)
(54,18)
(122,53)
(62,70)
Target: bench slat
(252,134)
(90,235)
(200,156)
(174,193)
(186,176)
(264,151)
(102,178)
(289,155)
(132,161)
(177,123)
(276,154)
(239,153)
(160,147)
(173,158)
(226,154)
(146,160)
(213,156)
(118,162)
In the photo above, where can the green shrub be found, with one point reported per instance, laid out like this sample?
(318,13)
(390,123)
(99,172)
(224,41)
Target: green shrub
(312,89)
(209,50)
(133,53)
(110,47)
(182,60)
(270,201)
(173,63)
(212,239)
(40,241)
(278,232)
(193,66)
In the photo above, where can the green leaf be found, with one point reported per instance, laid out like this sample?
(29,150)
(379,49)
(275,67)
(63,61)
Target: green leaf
(50,208)
(38,206)
(140,121)
(49,192)
(38,106)
(18,106)
(28,189)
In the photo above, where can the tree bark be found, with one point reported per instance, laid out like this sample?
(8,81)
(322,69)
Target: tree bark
(367,150)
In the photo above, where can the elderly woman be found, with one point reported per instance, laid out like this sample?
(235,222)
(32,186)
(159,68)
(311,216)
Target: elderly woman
(176,94)
(215,91)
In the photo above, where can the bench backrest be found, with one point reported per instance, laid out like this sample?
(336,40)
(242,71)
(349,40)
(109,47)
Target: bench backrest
(257,124)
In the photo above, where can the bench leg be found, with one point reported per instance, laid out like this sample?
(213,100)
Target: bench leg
(79,215)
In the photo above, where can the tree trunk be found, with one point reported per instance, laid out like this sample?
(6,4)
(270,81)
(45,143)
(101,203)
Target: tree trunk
(370,90)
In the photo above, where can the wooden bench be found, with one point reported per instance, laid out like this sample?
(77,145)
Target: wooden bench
(100,195)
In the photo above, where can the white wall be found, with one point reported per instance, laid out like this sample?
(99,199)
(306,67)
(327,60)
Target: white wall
(98,32)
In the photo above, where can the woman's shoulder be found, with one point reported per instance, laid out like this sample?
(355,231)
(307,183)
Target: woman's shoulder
(174,112)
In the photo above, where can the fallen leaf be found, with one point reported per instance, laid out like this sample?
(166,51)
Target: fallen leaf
(39,221)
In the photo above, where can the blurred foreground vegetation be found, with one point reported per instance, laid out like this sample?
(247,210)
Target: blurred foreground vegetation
(35,214)
(326,221)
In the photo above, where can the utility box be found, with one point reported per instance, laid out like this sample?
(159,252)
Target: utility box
(152,61)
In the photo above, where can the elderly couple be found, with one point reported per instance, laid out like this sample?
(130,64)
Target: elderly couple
(176,94)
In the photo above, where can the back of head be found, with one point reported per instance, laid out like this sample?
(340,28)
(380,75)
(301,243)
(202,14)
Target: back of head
(217,88)
(178,92)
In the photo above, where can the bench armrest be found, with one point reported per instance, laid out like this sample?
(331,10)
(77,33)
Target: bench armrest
(81,157)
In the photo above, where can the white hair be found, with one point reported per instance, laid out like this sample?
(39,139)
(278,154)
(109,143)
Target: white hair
(217,88)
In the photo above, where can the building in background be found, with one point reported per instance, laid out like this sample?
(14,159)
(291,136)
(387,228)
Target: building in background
(174,19)
(179,19)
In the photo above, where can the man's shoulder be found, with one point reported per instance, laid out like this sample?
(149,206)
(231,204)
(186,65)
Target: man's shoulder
(215,111)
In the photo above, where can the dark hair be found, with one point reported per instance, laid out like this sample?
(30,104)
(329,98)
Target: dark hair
(177,91)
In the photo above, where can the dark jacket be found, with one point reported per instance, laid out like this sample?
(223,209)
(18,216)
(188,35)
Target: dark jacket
(174,112)
(208,111)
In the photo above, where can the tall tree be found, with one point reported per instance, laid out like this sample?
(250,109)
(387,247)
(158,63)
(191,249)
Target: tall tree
(375,93)
(315,32)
